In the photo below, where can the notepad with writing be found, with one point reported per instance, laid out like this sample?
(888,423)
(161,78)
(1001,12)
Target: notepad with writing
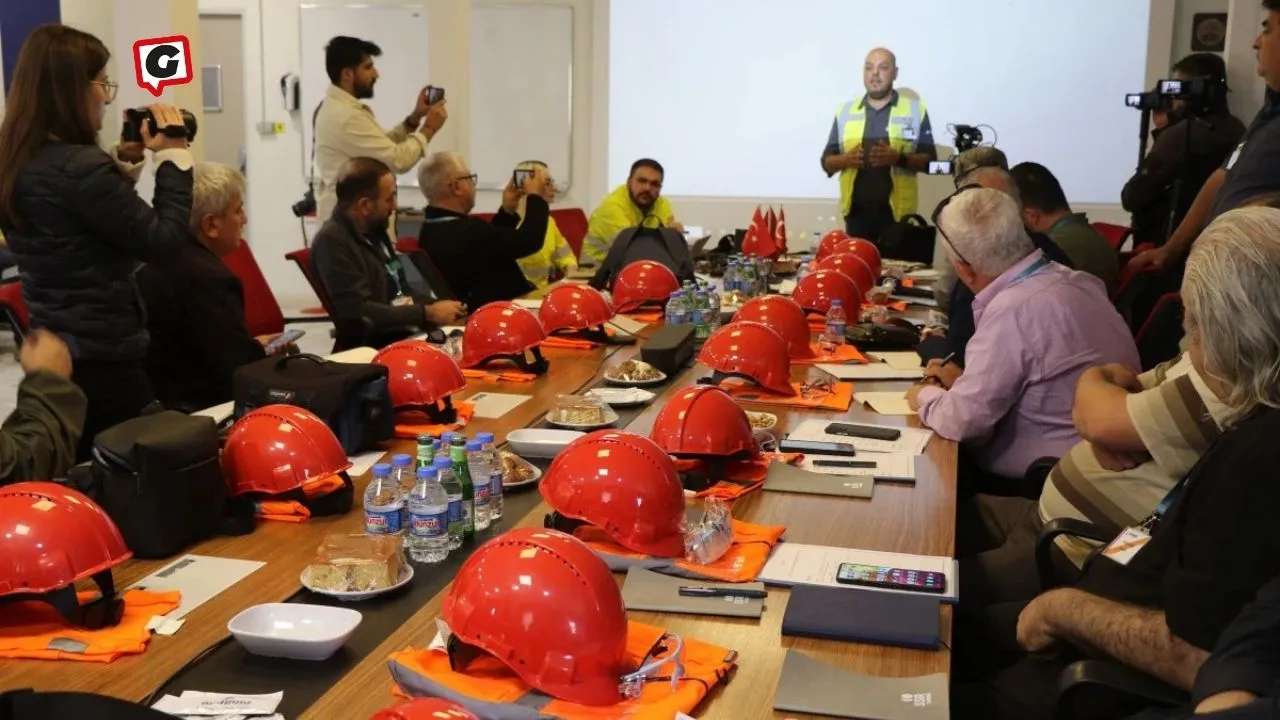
(810,686)
(856,615)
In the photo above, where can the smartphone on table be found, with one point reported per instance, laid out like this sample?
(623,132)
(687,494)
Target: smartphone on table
(892,578)
(817,447)
(283,340)
(869,432)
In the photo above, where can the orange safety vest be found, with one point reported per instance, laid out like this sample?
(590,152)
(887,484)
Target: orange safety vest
(740,476)
(489,682)
(292,510)
(843,354)
(741,563)
(33,630)
(409,425)
(518,376)
(838,397)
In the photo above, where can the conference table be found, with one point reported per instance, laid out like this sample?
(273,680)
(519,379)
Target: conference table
(355,683)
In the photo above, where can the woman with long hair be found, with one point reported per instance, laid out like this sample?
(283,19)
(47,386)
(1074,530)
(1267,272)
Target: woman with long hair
(75,223)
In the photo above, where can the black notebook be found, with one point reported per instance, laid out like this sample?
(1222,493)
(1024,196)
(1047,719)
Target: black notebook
(866,616)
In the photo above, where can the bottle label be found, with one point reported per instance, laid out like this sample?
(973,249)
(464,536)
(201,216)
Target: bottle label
(382,522)
(836,328)
(495,484)
(431,524)
(455,510)
(482,494)
(468,517)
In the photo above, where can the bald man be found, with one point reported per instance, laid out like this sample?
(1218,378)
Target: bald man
(878,143)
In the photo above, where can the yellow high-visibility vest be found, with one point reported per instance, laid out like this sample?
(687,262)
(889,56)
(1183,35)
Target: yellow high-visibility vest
(555,254)
(905,119)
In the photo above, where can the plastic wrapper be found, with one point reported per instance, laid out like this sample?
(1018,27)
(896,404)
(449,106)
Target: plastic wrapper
(709,539)
(579,410)
(356,563)
(634,371)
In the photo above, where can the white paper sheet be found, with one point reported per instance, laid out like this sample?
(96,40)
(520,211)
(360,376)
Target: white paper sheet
(885,403)
(907,360)
(531,303)
(364,462)
(912,300)
(912,441)
(218,412)
(889,466)
(492,405)
(870,371)
(198,577)
(627,325)
(797,564)
(925,274)
(786,287)
(193,703)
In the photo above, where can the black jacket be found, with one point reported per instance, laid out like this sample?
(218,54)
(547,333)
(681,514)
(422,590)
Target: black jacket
(661,245)
(84,230)
(195,314)
(477,258)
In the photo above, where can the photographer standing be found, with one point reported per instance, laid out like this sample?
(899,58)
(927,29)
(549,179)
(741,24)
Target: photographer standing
(1196,139)
(75,223)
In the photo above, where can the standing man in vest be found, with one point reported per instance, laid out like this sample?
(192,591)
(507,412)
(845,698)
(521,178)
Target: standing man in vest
(878,143)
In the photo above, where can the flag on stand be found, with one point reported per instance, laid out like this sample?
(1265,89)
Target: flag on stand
(780,232)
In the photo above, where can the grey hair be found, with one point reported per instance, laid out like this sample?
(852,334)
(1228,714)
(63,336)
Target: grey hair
(995,178)
(436,172)
(982,156)
(214,187)
(985,227)
(1231,282)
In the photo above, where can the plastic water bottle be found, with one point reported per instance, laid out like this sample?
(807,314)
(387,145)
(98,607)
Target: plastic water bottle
(426,451)
(383,503)
(402,474)
(458,456)
(730,279)
(836,321)
(701,330)
(453,490)
(495,477)
(428,538)
(442,448)
(478,469)
(747,278)
(713,310)
(675,309)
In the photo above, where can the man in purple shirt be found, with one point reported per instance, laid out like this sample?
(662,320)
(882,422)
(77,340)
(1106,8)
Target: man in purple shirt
(1039,326)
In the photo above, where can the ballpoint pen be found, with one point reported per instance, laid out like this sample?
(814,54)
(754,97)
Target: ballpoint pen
(945,360)
(695,591)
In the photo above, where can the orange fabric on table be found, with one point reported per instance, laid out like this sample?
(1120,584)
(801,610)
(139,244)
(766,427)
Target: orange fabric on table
(908,282)
(566,343)
(292,510)
(741,476)
(742,562)
(649,316)
(488,680)
(898,306)
(33,630)
(499,376)
(843,354)
(409,425)
(838,397)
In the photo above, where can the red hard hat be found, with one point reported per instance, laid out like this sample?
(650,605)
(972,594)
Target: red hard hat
(278,448)
(854,267)
(419,374)
(760,243)
(501,330)
(52,537)
(864,249)
(641,282)
(785,317)
(541,602)
(828,243)
(624,484)
(426,708)
(573,307)
(703,420)
(816,290)
(750,350)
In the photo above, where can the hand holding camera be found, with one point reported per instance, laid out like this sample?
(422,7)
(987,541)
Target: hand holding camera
(431,110)
(158,127)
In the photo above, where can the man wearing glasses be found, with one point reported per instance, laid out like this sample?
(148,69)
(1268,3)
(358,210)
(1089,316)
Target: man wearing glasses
(478,258)
(1039,326)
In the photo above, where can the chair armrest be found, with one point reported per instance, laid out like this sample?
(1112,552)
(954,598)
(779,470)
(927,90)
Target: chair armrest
(1050,532)
(1115,683)
(1037,472)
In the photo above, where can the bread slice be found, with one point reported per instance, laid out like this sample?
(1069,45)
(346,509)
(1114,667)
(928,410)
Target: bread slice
(356,563)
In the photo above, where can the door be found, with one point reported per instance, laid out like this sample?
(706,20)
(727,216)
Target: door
(222,66)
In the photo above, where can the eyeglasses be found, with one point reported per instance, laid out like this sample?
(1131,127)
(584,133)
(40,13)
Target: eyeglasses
(472,177)
(111,87)
(938,213)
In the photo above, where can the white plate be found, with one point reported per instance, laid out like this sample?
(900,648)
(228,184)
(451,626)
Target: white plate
(610,417)
(770,417)
(406,574)
(537,475)
(622,397)
(294,630)
(540,442)
(662,377)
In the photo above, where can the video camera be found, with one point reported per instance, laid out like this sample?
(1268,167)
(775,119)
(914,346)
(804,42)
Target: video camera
(131,130)
(1197,94)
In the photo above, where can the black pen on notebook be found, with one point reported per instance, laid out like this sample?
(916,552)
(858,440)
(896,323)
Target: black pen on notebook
(945,360)
(694,591)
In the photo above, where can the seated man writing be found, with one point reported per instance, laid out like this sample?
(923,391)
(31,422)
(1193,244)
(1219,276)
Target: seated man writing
(357,265)
(478,259)
(637,203)
(195,305)
(1039,326)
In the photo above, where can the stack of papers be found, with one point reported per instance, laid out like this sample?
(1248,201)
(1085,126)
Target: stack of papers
(903,360)
(193,704)
(870,371)
(911,442)
(199,578)
(798,564)
(885,403)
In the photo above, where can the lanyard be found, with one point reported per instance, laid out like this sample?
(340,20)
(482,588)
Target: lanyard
(438,220)
(391,263)
(1035,267)
(1177,490)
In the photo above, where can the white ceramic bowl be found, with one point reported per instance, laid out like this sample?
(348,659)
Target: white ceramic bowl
(540,442)
(294,630)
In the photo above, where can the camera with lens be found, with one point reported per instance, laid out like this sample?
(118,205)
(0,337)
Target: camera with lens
(134,117)
(306,205)
(1197,94)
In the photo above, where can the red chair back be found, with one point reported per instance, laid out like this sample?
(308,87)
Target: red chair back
(262,311)
(1158,338)
(407,244)
(303,259)
(1115,234)
(573,225)
(15,308)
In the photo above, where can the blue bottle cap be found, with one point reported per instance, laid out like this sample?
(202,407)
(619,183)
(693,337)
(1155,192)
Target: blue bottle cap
(485,438)
(443,463)
(382,469)
(473,446)
(401,460)
(426,472)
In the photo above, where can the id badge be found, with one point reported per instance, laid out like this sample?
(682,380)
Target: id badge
(402,301)
(1126,545)
(1235,156)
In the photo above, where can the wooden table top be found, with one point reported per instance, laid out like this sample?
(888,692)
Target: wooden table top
(899,518)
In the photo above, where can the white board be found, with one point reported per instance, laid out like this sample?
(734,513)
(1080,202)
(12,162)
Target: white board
(521,90)
(399,30)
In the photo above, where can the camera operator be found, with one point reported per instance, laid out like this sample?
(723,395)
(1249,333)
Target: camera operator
(75,223)
(1169,178)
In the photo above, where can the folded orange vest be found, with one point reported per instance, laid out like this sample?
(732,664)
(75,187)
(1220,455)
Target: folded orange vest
(842,354)
(499,376)
(33,630)
(645,316)
(292,510)
(409,425)
(489,682)
(838,397)
(740,476)
(575,342)
(742,563)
